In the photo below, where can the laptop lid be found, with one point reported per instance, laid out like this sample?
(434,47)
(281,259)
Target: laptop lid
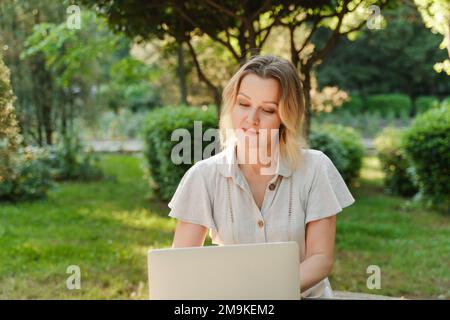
(259,271)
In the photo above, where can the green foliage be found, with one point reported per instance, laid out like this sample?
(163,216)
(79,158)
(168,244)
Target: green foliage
(398,179)
(426,144)
(397,58)
(424,103)
(109,125)
(158,129)
(445,103)
(68,160)
(22,173)
(29,178)
(91,68)
(32,82)
(130,86)
(72,54)
(396,105)
(355,105)
(368,124)
(342,145)
(436,14)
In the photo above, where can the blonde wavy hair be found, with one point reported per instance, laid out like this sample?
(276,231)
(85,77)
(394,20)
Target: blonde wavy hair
(291,105)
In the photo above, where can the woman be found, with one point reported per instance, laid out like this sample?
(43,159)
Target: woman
(292,193)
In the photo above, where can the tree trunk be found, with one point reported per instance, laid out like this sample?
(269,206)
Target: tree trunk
(307,96)
(63,119)
(40,138)
(182,74)
(46,103)
(218,102)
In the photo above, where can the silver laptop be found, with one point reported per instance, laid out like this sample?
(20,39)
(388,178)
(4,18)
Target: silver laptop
(260,271)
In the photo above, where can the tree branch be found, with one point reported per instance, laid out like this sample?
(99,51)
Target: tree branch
(266,5)
(200,73)
(313,29)
(263,40)
(227,11)
(212,35)
(332,41)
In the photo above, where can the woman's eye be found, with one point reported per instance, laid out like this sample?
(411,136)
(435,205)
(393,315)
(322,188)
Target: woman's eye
(268,110)
(244,104)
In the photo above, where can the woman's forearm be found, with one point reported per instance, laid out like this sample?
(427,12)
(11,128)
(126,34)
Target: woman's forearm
(314,269)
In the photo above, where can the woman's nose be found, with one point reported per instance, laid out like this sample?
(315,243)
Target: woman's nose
(253,116)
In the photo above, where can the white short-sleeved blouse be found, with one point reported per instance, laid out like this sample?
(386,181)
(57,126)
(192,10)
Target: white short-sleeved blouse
(211,186)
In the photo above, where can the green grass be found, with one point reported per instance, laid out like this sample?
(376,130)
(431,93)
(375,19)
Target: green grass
(103,227)
(106,228)
(410,245)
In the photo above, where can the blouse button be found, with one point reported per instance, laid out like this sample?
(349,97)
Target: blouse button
(261,223)
(272,186)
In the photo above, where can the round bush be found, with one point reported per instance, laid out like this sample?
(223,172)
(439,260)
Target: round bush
(30,177)
(395,166)
(157,132)
(342,145)
(426,144)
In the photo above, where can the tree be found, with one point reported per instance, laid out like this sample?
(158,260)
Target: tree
(242,27)
(238,26)
(71,56)
(34,105)
(89,66)
(371,63)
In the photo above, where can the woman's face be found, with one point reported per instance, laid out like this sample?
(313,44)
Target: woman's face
(256,109)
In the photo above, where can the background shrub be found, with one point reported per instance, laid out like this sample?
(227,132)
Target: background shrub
(29,179)
(426,144)
(445,102)
(425,103)
(68,160)
(355,105)
(109,125)
(342,145)
(398,179)
(389,105)
(23,174)
(158,128)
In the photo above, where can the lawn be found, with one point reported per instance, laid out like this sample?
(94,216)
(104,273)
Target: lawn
(106,228)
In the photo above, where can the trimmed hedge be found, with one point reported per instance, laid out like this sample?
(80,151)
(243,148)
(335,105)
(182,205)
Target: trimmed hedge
(426,144)
(342,145)
(158,128)
(396,105)
(425,103)
(398,179)
(355,105)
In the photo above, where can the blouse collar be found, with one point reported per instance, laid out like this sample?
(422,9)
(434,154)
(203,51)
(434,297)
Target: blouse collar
(228,166)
